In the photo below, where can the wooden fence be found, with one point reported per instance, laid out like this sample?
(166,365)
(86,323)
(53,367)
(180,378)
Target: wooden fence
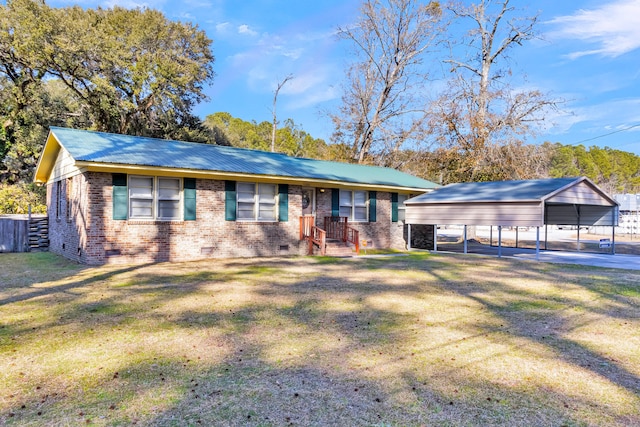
(24,233)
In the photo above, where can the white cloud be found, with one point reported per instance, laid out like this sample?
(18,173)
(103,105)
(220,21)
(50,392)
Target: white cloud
(200,4)
(314,78)
(132,4)
(306,80)
(599,118)
(294,53)
(314,97)
(263,60)
(186,17)
(245,29)
(613,28)
(222,27)
(310,86)
(127,4)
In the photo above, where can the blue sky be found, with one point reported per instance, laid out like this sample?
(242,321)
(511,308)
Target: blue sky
(588,53)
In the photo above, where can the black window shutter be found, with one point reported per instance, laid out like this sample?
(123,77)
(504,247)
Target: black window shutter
(230,200)
(120,196)
(372,206)
(189,199)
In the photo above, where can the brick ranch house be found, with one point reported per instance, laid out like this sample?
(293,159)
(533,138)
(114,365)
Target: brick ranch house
(124,199)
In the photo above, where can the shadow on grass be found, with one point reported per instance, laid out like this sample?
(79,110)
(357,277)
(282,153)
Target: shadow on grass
(49,290)
(541,325)
(316,342)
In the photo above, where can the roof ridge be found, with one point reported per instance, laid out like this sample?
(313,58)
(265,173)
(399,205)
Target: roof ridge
(124,135)
(228,148)
(99,147)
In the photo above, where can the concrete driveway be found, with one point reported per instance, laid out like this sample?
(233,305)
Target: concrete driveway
(628,262)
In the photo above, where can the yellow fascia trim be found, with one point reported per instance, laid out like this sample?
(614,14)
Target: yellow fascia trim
(47,159)
(235,176)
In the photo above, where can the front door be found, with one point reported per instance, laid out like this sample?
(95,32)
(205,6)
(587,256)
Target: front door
(308,201)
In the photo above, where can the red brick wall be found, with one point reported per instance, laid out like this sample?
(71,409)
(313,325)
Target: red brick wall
(382,234)
(68,224)
(93,237)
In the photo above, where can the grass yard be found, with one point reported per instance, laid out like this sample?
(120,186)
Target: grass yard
(445,340)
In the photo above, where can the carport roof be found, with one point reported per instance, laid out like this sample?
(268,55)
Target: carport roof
(496,191)
(573,201)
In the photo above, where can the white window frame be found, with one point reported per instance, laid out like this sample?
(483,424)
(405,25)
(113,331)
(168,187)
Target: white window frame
(245,201)
(256,196)
(402,209)
(351,204)
(173,199)
(155,198)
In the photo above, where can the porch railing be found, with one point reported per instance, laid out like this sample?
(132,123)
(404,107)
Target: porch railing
(338,228)
(314,235)
(353,236)
(306,223)
(317,237)
(335,227)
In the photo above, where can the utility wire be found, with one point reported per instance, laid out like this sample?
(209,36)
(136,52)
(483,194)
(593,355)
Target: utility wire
(606,134)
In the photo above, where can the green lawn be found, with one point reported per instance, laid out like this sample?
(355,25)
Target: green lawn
(396,341)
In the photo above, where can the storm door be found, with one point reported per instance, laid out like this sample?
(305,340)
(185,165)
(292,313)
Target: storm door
(308,201)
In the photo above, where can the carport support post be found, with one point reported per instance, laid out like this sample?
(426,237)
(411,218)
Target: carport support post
(545,235)
(578,212)
(538,243)
(408,237)
(499,241)
(435,237)
(613,240)
(465,238)
(613,231)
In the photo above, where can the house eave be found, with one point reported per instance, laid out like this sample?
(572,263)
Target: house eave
(238,176)
(47,160)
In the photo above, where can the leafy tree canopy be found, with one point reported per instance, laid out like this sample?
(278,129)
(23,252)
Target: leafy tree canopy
(115,70)
(615,171)
(290,139)
(19,198)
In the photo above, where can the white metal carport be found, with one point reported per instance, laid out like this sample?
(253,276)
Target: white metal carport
(529,203)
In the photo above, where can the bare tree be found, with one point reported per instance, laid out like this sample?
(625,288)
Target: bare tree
(480,121)
(275,100)
(383,100)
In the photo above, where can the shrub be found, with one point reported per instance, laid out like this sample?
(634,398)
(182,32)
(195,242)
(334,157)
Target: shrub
(16,199)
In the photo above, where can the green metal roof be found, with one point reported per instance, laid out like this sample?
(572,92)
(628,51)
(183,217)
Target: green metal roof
(115,149)
(496,191)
